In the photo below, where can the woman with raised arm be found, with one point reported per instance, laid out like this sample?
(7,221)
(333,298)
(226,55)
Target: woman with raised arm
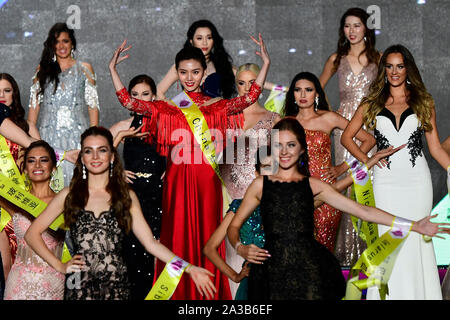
(237,168)
(100,209)
(144,167)
(192,197)
(63,98)
(30,277)
(306,101)
(218,79)
(355,61)
(295,265)
(400,110)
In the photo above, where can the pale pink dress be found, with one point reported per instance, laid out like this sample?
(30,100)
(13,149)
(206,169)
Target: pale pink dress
(31,278)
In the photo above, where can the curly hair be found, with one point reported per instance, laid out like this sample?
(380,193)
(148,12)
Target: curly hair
(118,189)
(418,97)
(219,56)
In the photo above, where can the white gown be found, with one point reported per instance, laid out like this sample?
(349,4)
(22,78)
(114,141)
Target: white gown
(405,189)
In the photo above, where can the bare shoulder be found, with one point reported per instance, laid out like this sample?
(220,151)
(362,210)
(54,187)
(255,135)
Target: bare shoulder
(88,66)
(332,57)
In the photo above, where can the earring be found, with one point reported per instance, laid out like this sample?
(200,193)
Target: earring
(111,165)
(71,53)
(407,81)
(316,103)
(385,79)
(365,38)
(84,172)
(54,57)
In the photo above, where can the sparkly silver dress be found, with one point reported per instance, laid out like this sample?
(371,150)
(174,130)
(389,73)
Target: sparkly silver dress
(63,115)
(352,88)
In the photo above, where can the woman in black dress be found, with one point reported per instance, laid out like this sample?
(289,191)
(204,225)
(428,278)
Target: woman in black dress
(296,266)
(144,170)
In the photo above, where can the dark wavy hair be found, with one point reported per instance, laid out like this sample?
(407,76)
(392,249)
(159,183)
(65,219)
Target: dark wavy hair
(49,69)
(78,195)
(218,55)
(291,124)
(17,110)
(343,45)
(418,97)
(39,144)
(142,78)
(291,108)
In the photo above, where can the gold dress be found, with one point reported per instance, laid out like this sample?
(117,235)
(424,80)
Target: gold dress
(352,88)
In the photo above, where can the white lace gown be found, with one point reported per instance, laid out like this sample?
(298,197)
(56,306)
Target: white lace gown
(404,188)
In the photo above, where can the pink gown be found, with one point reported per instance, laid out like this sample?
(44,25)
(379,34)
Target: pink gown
(31,278)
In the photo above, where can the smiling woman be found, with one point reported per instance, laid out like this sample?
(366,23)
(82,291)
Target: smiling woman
(400,110)
(192,197)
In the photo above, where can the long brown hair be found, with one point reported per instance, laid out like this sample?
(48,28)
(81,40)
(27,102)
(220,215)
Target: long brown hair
(17,110)
(343,45)
(118,189)
(291,124)
(418,98)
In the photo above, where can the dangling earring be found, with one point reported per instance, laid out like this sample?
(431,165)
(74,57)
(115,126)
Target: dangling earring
(54,57)
(385,79)
(365,39)
(316,103)
(84,172)
(71,53)
(407,81)
(111,165)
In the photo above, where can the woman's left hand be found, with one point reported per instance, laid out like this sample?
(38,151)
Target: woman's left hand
(428,228)
(262,49)
(201,278)
(116,58)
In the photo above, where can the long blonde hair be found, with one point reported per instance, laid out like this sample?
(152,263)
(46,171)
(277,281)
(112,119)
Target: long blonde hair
(420,101)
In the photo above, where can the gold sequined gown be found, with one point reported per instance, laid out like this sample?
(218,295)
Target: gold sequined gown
(326,218)
(352,88)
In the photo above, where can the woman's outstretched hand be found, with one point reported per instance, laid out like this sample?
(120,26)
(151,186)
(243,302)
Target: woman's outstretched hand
(428,228)
(202,280)
(117,58)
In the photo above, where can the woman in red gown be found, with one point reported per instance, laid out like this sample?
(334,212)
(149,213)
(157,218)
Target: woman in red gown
(306,101)
(192,192)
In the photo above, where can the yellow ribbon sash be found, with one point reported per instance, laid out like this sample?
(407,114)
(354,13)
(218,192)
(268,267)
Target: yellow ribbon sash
(168,281)
(275,101)
(377,261)
(200,130)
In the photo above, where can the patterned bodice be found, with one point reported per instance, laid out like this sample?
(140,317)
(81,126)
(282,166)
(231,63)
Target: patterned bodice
(24,253)
(238,168)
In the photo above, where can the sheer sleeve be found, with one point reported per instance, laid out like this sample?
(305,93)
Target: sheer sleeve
(138,106)
(35,97)
(5,112)
(90,89)
(238,104)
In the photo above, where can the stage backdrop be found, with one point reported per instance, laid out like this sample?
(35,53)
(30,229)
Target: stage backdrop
(300,36)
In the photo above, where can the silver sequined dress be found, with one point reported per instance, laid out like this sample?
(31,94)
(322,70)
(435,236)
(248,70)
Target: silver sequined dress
(352,88)
(63,116)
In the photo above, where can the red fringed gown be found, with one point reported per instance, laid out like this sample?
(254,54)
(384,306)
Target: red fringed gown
(192,196)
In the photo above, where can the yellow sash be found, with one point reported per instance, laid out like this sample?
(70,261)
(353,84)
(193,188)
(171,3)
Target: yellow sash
(200,130)
(377,261)
(275,101)
(168,281)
